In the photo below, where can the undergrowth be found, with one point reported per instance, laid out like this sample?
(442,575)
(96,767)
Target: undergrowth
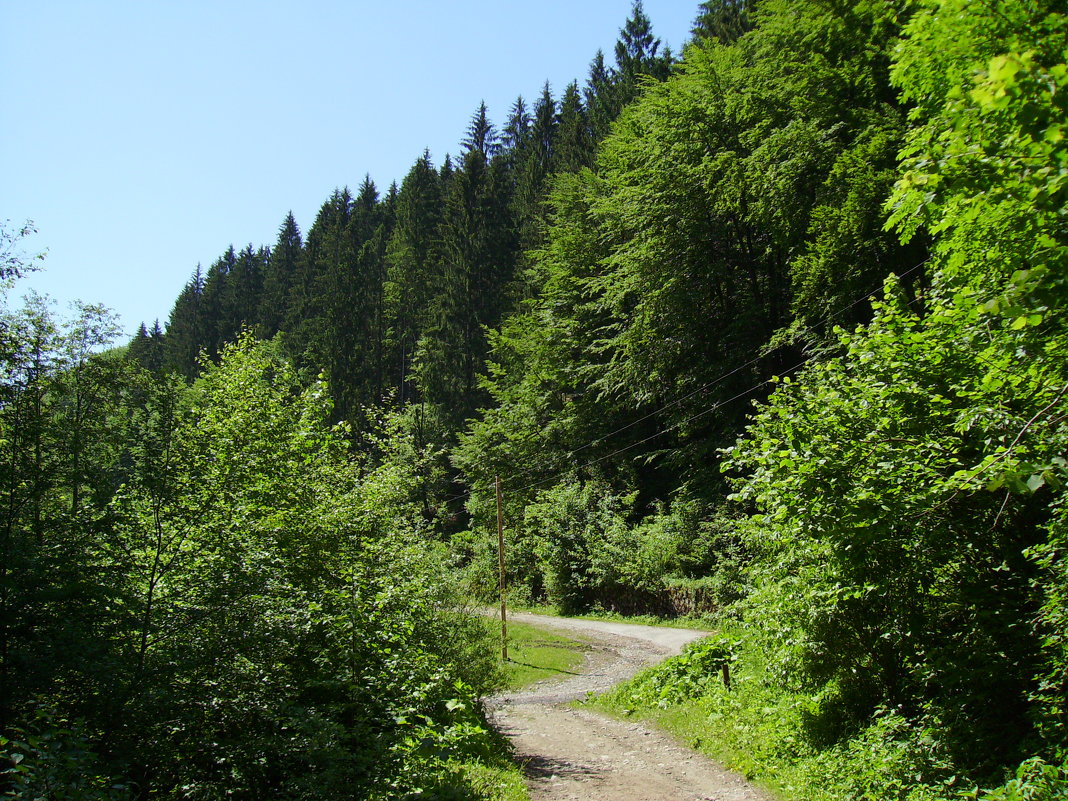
(790,743)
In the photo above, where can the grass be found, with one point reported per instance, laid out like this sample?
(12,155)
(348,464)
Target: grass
(791,743)
(694,623)
(535,654)
(751,729)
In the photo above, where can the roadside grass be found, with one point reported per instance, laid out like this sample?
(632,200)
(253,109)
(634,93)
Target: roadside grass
(535,653)
(787,742)
(752,728)
(493,775)
(733,738)
(698,623)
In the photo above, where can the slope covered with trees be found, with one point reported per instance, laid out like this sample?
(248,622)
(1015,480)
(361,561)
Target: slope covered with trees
(205,595)
(774,330)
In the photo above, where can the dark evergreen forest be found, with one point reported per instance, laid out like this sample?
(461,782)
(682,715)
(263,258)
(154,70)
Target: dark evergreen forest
(771,330)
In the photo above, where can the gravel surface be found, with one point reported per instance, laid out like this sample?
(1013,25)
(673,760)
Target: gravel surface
(575,754)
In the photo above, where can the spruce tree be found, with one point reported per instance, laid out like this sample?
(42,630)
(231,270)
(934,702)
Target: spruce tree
(599,97)
(636,47)
(532,169)
(304,310)
(246,288)
(278,278)
(187,328)
(637,56)
(342,328)
(516,130)
(146,348)
(723,20)
(477,252)
(573,146)
(138,346)
(219,302)
(447,171)
(413,269)
(481,135)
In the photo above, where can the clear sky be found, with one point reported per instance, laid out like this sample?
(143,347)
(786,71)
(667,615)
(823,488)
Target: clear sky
(143,138)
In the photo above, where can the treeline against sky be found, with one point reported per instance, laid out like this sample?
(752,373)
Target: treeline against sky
(776,328)
(390,292)
(222,577)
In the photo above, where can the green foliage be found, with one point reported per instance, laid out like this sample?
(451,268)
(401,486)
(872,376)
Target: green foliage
(690,675)
(252,614)
(52,759)
(908,493)
(898,579)
(536,653)
(902,561)
(726,20)
(579,533)
(742,191)
(1035,780)
(257,613)
(284,602)
(767,733)
(13,261)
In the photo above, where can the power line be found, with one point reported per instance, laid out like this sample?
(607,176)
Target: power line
(702,413)
(865,296)
(725,376)
(681,423)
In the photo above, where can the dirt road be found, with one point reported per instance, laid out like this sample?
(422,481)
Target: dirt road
(577,755)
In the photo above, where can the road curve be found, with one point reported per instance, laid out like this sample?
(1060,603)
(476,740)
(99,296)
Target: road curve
(573,754)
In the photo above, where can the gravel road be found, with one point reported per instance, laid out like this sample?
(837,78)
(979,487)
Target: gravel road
(575,754)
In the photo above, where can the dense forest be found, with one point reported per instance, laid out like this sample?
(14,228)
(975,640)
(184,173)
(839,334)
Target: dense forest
(772,329)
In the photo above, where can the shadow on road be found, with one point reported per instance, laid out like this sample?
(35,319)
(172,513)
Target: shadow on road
(544,767)
(542,667)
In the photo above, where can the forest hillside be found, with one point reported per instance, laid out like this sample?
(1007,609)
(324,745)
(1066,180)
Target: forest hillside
(771,330)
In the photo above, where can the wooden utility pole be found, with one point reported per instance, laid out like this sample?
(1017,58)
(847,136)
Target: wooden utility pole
(500,557)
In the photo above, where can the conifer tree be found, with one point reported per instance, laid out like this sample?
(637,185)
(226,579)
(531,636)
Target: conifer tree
(533,168)
(477,252)
(146,348)
(636,47)
(187,328)
(481,135)
(413,269)
(278,277)
(156,339)
(573,147)
(389,207)
(138,345)
(342,325)
(361,365)
(516,130)
(638,58)
(246,288)
(599,102)
(723,20)
(637,55)
(219,302)
(323,248)
(446,172)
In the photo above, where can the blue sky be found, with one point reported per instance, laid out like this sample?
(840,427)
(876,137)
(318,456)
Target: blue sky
(145,137)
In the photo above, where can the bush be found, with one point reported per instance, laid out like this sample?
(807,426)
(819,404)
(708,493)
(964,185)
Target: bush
(694,673)
(52,758)
(1035,780)
(581,538)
